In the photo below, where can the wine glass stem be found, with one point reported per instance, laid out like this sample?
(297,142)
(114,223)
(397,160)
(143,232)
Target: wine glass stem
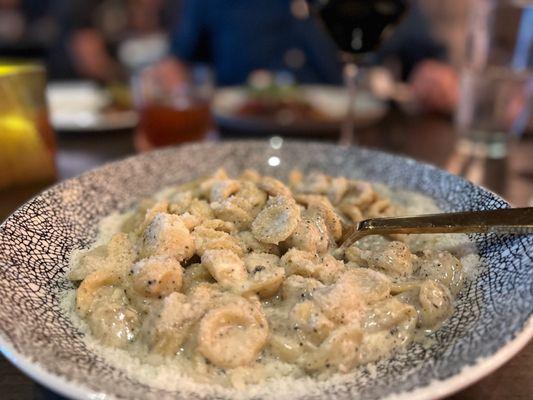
(347,136)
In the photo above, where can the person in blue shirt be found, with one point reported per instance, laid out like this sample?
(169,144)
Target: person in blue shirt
(237,37)
(240,36)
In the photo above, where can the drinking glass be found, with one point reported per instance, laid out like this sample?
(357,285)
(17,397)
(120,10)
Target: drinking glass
(357,27)
(173,110)
(496,82)
(27,143)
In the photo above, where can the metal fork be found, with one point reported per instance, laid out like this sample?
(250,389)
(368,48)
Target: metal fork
(507,220)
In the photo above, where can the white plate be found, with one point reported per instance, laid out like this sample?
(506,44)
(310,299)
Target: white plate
(77,106)
(330,100)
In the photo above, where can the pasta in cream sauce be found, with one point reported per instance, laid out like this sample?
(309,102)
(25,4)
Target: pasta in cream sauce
(229,276)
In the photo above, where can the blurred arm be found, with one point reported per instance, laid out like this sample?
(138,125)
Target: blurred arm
(90,56)
(435,85)
(186,43)
(189,40)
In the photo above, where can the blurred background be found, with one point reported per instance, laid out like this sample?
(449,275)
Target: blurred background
(85,82)
(88,81)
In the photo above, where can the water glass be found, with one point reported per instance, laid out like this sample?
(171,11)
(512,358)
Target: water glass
(496,76)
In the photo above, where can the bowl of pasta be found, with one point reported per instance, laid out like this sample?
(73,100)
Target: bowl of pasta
(214,270)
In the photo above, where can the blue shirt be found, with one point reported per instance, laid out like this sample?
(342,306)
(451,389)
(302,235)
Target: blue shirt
(240,36)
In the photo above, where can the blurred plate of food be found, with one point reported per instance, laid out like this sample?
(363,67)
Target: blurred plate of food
(291,109)
(85,106)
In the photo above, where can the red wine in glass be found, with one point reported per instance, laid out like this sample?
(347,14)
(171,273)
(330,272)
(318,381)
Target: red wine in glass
(357,27)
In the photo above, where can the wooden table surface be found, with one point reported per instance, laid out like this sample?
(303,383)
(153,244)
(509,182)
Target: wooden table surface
(427,138)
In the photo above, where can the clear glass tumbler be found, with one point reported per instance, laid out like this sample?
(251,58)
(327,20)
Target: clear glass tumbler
(496,77)
(173,107)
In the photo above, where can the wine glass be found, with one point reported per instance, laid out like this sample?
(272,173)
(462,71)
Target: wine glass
(357,27)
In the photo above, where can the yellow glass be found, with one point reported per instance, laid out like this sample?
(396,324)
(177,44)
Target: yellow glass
(27,143)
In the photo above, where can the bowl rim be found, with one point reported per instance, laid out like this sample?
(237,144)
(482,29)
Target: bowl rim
(437,389)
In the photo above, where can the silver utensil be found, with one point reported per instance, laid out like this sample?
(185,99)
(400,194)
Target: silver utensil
(508,220)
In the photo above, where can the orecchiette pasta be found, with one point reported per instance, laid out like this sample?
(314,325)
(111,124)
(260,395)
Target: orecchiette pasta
(264,274)
(285,348)
(167,235)
(395,259)
(297,288)
(320,207)
(90,286)
(233,276)
(277,221)
(324,268)
(111,319)
(195,274)
(230,210)
(274,187)
(206,238)
(223,189)
(233,334)
(249,244)
(159,207)
(341,302)
(337,189)
(157,276)
(436,303)
(389,324)
(201,208)
(118,255)
(180,202)
(441,266)
(310,234)
(172,324)
(307,317)
(372,285)
(339,350)
(226,267)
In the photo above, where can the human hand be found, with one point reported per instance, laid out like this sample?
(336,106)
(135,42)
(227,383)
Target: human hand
(435,86)
(169,73)
(90,56)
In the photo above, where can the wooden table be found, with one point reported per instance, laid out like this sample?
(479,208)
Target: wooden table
(427,138)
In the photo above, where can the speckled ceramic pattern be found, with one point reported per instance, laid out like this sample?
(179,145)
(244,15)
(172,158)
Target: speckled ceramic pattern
(35,243)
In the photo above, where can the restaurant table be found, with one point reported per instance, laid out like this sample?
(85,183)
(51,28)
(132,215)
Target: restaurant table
(429,138)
